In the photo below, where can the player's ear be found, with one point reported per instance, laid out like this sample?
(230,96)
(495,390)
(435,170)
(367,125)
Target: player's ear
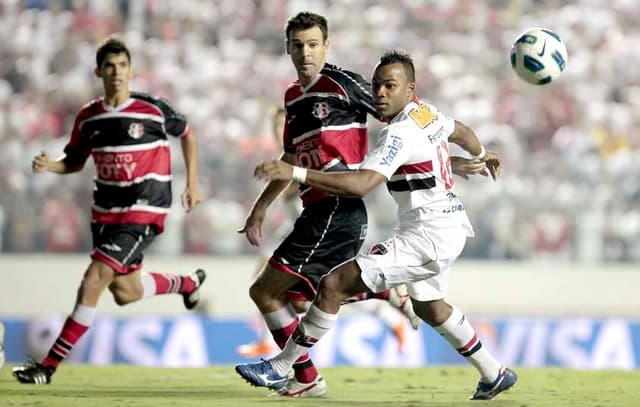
(286,46)
(411,89)
(97,72)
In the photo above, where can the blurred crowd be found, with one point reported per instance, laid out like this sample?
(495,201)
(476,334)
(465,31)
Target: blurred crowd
(570,188)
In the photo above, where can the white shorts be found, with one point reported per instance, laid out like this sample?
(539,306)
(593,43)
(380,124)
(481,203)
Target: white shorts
(418,257)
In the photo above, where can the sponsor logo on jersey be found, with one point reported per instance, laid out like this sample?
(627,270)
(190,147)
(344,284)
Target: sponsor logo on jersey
(378,248)
(392,150)
(136,130)
(321,110)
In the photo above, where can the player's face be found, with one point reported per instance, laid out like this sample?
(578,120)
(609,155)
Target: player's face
(391,90)
(308,52)
(115,73)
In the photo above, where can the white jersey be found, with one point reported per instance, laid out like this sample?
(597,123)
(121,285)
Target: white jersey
(413,154)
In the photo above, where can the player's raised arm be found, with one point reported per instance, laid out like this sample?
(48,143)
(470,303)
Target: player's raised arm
(467,139)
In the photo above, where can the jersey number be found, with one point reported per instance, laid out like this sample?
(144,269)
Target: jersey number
(445,165)
(422,116)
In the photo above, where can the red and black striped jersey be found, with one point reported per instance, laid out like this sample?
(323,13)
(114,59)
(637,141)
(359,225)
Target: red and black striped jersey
(130,148)
(326,125)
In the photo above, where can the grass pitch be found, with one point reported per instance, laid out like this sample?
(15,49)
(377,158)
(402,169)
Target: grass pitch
(128,386)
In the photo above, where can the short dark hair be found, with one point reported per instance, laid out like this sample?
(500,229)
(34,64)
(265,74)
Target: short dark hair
(305,20)
(399,57)
(112,45)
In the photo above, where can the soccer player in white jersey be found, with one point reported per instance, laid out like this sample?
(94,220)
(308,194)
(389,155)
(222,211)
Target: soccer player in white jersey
(412,157)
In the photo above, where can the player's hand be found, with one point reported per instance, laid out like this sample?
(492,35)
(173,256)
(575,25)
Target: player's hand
(274,170)
(494,164)
(253,228)
(191,197)
(464,167)
(40,163)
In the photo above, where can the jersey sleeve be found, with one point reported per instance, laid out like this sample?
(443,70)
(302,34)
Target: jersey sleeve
(175,123)
(360,94)
(77,149)
(390,152)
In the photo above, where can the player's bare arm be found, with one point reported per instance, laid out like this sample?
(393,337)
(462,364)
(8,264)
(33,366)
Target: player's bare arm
(41,163)
(467,139)
(191,196)
(348,183)
(253,224)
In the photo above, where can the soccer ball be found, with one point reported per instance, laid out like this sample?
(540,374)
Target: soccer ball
(538,56)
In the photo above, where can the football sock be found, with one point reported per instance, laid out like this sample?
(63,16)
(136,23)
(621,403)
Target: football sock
(74,327)
(282,323)
(312,327)
(157,284)
(460,334)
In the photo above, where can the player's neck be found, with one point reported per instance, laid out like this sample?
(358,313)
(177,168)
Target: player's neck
(117,98)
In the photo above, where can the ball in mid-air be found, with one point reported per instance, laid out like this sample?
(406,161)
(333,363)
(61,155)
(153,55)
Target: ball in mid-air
(538,56)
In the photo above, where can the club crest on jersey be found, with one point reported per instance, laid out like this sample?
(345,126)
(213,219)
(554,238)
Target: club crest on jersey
(320,110)
(136,130)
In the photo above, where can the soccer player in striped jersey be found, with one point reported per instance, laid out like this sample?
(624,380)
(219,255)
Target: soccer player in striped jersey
(412,158)
(127,134)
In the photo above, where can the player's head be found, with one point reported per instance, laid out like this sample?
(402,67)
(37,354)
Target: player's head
(393,83)
(278,117)
(113,65)
(307,43)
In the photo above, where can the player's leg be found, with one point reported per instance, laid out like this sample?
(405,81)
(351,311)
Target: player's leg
(334,288)
(264,345)
(269,292)
(131,284)
(97,277)
(452,324)
(428,302)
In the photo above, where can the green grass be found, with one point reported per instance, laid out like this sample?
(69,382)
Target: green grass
(128,386)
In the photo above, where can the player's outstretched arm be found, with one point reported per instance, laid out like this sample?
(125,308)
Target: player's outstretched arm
(41,163)
(348,183)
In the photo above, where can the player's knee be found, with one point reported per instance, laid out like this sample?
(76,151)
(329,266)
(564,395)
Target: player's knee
(434,313)
(256,293)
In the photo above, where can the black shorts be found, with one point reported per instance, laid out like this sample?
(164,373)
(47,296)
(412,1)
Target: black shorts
(327,234)
(121,246)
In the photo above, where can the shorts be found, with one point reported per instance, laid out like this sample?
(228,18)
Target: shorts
(121,246)
(419,257)
(327,234)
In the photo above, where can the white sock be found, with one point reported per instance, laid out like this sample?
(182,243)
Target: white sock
(460,334)
(83,314)
(148,285)
(312,327)
(281,318)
